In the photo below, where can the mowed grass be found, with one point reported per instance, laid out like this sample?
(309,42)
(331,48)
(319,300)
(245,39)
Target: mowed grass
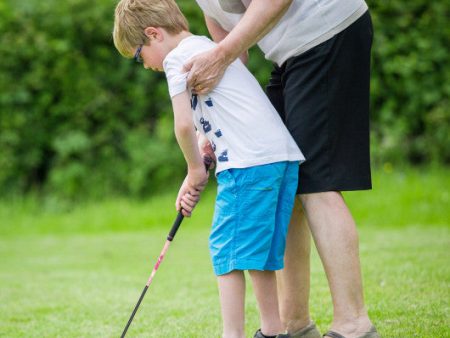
(78,271)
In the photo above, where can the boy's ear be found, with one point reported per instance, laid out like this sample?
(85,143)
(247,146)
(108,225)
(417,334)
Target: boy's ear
(153,33)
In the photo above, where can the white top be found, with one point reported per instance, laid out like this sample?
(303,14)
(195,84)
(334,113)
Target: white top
(306,24)
(238,119)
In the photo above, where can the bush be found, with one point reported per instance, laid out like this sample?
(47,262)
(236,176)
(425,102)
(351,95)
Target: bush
(410,87)
(77,119)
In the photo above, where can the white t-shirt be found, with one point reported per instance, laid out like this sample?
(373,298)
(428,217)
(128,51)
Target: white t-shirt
(238,119)
(306,24)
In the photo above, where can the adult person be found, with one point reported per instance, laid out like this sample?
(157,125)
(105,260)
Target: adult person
(320,87)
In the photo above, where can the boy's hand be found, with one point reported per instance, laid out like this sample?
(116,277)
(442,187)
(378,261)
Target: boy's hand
(189,193)
(197,178)
(206,149)
(187,199)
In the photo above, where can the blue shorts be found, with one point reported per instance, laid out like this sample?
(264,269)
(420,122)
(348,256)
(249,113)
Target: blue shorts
(251,217)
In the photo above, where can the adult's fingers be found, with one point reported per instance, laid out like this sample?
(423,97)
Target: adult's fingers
(203,73)
(187,66)
(201,85)
(192,74)
(203,89)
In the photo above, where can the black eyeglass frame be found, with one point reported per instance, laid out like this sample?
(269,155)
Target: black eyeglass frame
(137,55)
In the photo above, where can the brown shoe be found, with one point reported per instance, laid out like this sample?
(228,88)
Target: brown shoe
(309,331)
(372,333)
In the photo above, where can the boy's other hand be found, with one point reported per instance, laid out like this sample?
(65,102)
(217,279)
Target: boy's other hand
(206,150)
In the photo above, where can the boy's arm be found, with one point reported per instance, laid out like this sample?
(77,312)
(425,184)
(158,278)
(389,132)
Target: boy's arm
(197,177)
(185,132)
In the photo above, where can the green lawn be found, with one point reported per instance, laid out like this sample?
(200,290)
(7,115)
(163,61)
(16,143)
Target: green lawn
(77,272)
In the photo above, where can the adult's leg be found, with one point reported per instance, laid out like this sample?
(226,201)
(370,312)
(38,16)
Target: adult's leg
(294,279)
(336,238)
(232,302)
(265,287)
(326,93)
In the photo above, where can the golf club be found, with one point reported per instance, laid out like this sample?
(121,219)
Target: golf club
(208,161)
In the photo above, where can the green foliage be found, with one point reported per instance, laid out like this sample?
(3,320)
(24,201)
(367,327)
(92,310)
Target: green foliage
(410,87)
(78,120)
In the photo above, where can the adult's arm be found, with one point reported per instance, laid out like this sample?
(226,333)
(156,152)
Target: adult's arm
(218,34)
(206,69)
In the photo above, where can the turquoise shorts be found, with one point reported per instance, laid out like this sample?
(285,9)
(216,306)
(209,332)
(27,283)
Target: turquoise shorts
(251,217)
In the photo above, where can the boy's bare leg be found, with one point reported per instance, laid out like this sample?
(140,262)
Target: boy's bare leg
(232,302)
(336,239)
(265,287)
(294,279)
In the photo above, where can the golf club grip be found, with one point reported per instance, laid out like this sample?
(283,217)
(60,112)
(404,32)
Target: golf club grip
(207,161)
(175,226)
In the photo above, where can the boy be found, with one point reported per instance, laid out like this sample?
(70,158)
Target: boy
(256,158)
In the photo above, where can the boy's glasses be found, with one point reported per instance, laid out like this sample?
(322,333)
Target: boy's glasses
(137,55)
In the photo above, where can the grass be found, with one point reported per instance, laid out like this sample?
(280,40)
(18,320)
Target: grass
(77,272)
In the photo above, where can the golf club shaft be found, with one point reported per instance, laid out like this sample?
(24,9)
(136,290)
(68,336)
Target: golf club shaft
(170,237)
(155,268)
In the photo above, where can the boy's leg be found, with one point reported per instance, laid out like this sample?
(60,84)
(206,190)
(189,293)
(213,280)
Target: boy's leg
(265,287)
(294,279)
(232,302)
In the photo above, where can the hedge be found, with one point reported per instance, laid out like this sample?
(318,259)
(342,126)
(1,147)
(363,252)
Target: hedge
(78,120)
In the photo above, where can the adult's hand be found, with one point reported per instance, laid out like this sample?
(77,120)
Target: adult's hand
(205,70)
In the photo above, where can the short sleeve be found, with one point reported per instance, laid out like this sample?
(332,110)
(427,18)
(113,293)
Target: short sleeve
(176,79)
(203,4)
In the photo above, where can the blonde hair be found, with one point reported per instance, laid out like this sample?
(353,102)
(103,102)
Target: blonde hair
(133,16)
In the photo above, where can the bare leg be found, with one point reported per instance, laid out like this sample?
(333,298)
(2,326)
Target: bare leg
(294,279)
(232,301)
(265,287)
(336,239)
